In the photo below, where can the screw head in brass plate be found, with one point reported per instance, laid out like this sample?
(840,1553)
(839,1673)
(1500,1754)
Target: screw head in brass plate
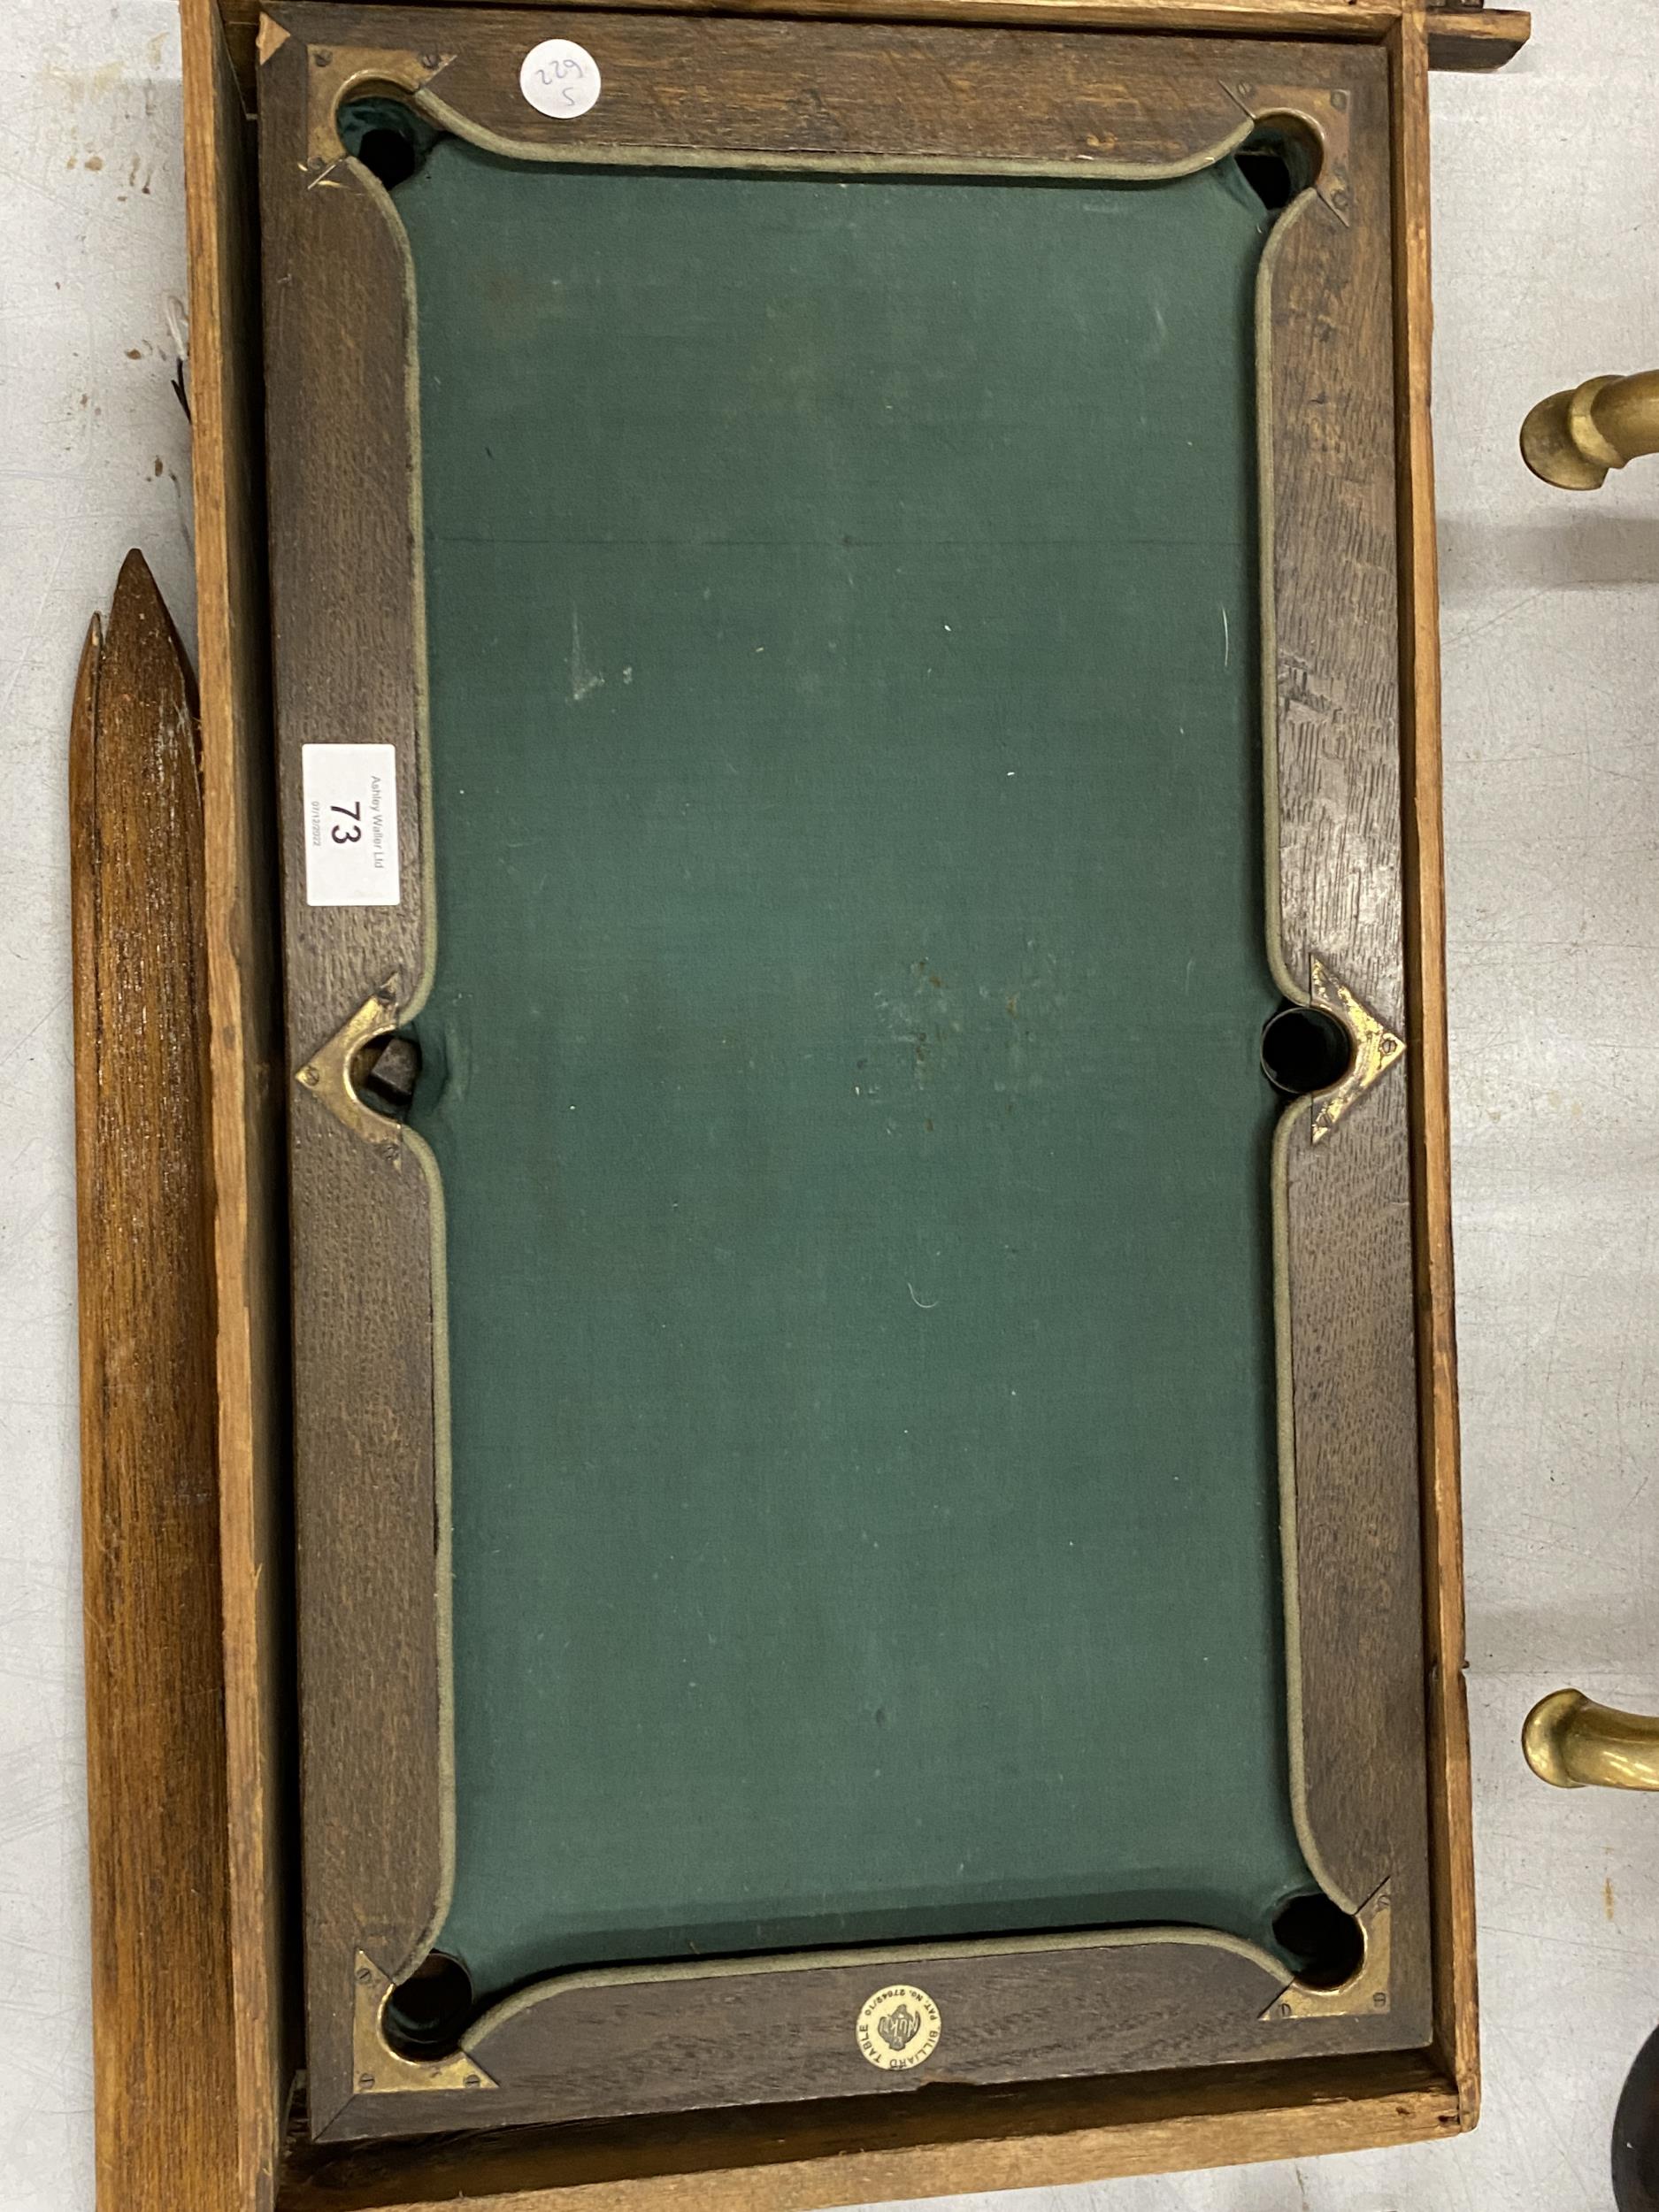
(898,2027)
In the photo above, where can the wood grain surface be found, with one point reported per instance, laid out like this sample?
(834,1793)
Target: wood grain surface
(1471,39)
(243,1027)
(860,2152)
(1450,1800)
(163,2042)
(586,2049)
(348,627)
(730,84)
(1335,709)
(1460,37)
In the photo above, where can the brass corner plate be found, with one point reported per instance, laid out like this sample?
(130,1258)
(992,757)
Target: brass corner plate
(1368,1990)
(327,1075)
(1325,111)
(377,2070)
(339,70)
(1376,1048)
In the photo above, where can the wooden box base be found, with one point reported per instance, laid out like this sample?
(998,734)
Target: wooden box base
(199,1978)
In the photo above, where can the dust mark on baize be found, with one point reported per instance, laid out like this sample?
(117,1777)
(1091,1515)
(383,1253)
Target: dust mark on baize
(932,1018)
(919,1016)
(584,678)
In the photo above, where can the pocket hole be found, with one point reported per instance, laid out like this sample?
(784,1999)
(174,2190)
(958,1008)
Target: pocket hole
(390,153)
(1279,161)
(388,138)
(424,2015)
(1325,1944)
(1303,1049)
(1267,172)
(384,1075)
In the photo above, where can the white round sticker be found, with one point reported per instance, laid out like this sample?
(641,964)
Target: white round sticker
(560,78)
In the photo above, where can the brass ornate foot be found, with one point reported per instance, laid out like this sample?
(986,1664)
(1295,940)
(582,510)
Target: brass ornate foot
(1573,439)
(1571,1742)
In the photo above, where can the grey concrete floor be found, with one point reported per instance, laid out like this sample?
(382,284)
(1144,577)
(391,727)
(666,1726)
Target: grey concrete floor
(1546,208)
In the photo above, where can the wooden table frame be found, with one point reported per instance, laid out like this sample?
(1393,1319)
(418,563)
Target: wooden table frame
(376,1748)
(219,1956)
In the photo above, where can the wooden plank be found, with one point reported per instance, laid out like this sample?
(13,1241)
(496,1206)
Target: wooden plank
(954,2141)
(724,85)
(1356,1654)
(161,1990)
(1461,38)
(1476,38)
(250,1240)
(1451,1815)
(376,1831)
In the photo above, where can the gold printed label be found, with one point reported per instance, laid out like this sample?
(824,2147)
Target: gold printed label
(898,2027)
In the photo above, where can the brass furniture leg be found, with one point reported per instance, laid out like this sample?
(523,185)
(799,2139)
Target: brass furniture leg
(1571,439)
(1571,1742)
